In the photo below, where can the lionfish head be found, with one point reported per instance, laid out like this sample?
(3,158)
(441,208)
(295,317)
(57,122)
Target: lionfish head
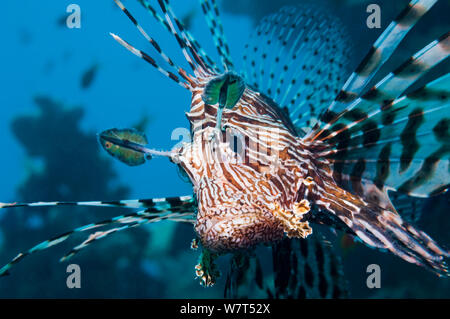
(241,145)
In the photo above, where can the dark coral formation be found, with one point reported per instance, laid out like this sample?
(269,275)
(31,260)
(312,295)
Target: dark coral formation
(72,169)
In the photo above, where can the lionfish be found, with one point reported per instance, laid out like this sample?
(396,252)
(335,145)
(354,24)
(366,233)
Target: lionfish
(283,145)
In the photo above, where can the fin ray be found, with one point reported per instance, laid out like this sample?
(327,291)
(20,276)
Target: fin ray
(148,215)
(153,205)
(381,51)
(404,145)
(286,59)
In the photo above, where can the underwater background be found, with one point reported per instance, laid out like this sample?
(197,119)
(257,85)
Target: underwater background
(60,87)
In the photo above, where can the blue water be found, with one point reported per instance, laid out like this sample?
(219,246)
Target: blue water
(39,56)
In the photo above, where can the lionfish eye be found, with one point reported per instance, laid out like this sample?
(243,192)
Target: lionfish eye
(226,90)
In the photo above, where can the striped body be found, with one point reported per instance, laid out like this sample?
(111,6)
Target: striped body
(243,193)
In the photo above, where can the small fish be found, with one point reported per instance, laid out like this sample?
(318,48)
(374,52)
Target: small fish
(88,76)
(127,145)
